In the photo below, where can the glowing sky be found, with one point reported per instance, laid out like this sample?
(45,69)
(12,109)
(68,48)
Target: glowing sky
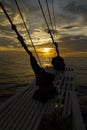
(71,25)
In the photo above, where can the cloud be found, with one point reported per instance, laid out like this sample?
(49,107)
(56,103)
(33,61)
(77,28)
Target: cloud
(70,27)
(71,22)
(76,43)
(77,9)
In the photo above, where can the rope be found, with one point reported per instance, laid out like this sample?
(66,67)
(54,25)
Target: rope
(14,28)
(27,31)
(54,16)
(48,27)
(49,14)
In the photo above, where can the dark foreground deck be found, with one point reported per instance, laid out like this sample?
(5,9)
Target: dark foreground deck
(22,112)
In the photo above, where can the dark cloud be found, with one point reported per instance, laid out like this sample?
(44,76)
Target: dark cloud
(70,27)
(76,8)
(8,42)
(53,31)
(74,42)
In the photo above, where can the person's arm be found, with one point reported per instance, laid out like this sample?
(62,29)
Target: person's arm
(36,68)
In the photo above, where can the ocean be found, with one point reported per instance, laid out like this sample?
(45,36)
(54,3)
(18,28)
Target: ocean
(16,73)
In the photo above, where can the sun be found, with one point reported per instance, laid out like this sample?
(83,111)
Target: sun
(46,50)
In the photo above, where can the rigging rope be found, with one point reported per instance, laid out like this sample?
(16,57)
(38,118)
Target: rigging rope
(14,28)
(20,38)
(27,31)
(49,14)
(56,46)
(54,17)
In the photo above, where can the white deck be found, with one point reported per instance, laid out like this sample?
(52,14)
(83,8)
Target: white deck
(21,112)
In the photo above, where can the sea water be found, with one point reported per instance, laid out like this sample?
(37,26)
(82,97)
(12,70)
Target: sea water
(15,69)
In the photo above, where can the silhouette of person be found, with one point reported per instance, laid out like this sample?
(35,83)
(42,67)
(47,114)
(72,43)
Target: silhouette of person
(44,81)
(58,63)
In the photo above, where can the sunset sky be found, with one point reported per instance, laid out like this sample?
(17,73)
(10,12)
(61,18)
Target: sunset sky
(70,20)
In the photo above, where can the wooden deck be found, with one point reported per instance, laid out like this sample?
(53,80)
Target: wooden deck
(22,112)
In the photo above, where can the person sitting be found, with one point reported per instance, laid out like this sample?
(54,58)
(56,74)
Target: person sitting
(44,80)
(58,63)
(46,89)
